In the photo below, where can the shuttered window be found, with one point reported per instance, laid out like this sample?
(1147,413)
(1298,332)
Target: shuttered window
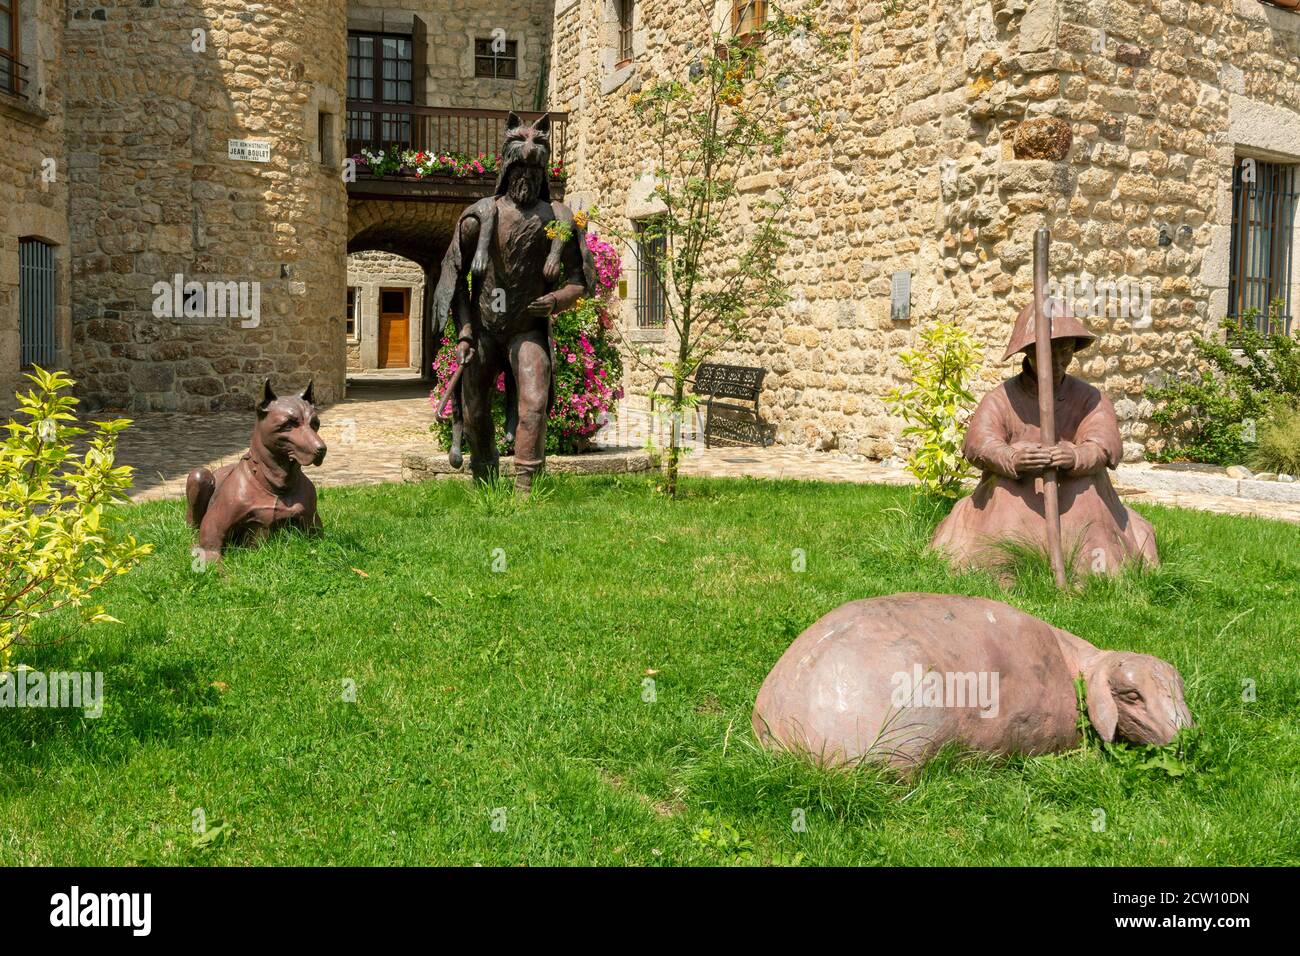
(1263,242)
(36,302)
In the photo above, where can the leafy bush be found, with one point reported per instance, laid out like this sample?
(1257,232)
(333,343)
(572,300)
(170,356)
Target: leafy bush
(1279,442)
(58,542)
(937,405)
(1215,418)
(588,367)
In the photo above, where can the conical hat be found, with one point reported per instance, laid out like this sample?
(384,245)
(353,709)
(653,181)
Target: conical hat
(1064,326)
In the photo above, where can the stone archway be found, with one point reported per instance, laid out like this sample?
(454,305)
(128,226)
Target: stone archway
(418,230)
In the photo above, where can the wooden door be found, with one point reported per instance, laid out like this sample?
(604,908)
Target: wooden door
(394,328)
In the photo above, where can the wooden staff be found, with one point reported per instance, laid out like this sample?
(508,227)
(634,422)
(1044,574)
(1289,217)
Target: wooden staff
(1047,401)
(451,390)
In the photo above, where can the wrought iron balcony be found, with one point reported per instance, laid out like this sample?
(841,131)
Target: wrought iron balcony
(455,150)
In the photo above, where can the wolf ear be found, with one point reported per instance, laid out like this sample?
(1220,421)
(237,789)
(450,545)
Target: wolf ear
(1101,703)
(513,121)
(307,395)
(268,397)
(543,124)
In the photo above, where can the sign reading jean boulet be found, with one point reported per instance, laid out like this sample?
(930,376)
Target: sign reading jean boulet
(248,150)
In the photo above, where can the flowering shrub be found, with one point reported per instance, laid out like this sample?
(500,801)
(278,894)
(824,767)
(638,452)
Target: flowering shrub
(419,164)
(588,368)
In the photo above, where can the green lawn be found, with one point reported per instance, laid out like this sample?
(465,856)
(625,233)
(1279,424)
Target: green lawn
(524,690)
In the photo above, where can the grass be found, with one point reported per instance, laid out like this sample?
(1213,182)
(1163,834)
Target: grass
(507,717)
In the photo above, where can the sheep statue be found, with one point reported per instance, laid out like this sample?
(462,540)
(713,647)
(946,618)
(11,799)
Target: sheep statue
(893,679)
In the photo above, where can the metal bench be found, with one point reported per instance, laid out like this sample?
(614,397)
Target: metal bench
(731,410)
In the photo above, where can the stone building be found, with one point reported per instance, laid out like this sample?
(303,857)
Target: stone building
(34,242)
(458,66)
(1157,139)
(177,205)
(180,216)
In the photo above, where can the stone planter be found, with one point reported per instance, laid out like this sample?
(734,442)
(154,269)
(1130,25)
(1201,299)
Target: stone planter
(433,464)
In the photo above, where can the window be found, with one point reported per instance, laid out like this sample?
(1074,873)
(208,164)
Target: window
(350,323)
(1263,240)
(36,302)
(748,16)
(651,307)
(380,70)
(626,9)
(496,59)
(325,138)
(11,70)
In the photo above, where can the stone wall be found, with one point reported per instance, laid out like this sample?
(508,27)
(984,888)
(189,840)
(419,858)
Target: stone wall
(955,132)
(33,185)
(452,27)
(155,92)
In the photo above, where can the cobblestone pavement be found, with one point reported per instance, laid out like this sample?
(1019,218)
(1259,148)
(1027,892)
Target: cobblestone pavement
(366,435)
(368,432)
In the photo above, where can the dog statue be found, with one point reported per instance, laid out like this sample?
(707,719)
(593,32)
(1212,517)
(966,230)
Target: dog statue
(266,488)
(893,679)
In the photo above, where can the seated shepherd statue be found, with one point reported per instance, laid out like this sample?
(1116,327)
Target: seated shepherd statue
(1098,533)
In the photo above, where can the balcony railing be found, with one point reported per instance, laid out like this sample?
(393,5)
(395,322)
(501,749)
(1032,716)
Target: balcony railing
(13,76)
(440,129)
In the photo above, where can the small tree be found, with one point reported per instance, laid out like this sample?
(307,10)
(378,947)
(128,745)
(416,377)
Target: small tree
(936,406)
(727,115)
(57,542)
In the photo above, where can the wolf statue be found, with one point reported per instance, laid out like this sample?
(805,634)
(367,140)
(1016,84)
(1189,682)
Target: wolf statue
(502,279)
(266,489)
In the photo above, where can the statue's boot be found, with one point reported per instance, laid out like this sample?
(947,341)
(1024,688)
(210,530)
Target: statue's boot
(484,470)
(524,472)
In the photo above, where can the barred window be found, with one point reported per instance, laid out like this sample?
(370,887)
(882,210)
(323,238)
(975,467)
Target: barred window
(626,11)
(1263,242)
(36,302)
(11,78)
(651,301)
(351,322)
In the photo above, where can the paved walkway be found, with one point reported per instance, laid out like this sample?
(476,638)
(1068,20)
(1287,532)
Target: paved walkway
(368,432)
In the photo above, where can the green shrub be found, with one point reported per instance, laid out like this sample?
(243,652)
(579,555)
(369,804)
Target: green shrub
(936,406)
(57,542)
(1216,417)
(1279,442)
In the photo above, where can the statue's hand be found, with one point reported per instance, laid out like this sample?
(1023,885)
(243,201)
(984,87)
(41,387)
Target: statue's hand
(542,305)
(479,264)
(551,271)
(464,352)
(1063,457)
(1030,458)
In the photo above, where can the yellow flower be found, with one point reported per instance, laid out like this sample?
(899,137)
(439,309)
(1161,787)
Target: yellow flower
(580,219)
